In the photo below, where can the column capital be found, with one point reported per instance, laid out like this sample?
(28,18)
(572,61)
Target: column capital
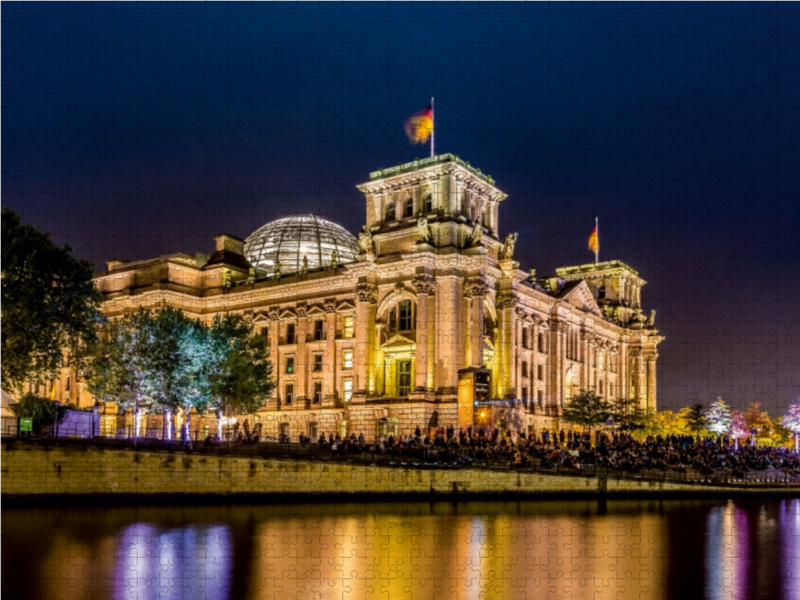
(366,292)
(423,285)
(507,302)
(329,305)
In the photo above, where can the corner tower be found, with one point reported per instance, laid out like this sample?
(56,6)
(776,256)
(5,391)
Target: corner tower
(440,204)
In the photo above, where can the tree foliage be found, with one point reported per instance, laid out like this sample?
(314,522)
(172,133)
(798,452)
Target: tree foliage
(586,409)
(144,360)
(758,419)
(718,417)
(50,305)
(41,410)
(240,374)
(163,361)
(628,414)
(693,418)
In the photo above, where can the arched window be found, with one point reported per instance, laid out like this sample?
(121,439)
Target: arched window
(390,211)
(408,208)
(393,319)
(428,203)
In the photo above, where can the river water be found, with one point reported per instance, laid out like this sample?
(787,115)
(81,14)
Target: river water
(715,549)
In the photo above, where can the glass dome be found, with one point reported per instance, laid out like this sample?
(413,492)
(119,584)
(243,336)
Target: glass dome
(291,238)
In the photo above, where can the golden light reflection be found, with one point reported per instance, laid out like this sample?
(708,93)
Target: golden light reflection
(460,557)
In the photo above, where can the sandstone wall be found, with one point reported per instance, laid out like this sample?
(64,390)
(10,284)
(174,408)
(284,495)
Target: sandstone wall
(32,469)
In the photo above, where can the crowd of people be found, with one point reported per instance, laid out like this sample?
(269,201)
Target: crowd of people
(567,449)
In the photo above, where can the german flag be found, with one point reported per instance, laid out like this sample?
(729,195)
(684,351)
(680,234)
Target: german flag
(419,126)
(594,241)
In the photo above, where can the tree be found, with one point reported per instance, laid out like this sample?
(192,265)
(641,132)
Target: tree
(758,419)
(738,428)
(628,414)
(149,361)
(718,417)
(586,409)
(41,410)
(240,378)
(50,305)
(693,417)
(791,420)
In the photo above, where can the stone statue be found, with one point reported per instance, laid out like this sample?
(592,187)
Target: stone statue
(304,266)
(366,242)
(277,269)
(423,230)
(508,246)
(334,260)
(651,320)
(477,235)
(226,279)
(532,277)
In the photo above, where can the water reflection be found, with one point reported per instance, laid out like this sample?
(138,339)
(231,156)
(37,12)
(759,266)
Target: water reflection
(459,551)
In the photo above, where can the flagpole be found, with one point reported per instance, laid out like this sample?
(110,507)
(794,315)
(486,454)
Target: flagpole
(433,129)
(597,241)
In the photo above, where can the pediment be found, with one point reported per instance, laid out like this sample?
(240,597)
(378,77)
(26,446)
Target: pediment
(260,318)
(398,340)
(316,310)
(345,305)
(288,314)
(581,297)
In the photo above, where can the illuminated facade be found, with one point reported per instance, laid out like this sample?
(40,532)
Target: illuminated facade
(373,335)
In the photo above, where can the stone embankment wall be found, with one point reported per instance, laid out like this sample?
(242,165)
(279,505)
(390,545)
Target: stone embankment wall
(41,470)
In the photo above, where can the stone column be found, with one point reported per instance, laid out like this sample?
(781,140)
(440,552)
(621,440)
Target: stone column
(556,357)
(423,287)
(651,381)
(506,308)
(447,331)
(364,323)
(584,359)
(518,352)
(476,290)
(331,363)
(301,358)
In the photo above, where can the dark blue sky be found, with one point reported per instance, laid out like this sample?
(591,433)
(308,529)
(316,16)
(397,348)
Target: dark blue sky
(132,130)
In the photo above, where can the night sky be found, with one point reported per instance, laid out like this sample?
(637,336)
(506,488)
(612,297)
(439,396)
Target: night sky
(134,130)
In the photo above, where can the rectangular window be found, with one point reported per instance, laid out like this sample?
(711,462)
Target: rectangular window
(317,392)
(404,378)
(539,397)
(393,319)
(540,372)
(288,393)
(347,386)
(318,362)
(290,335)
(347,359)
(524,368)
(348,326)
(290,364)
(319,330)
(525,393)
(405,315)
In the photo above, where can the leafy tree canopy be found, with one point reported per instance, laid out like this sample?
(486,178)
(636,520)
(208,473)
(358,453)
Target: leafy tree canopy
(50,305)
(586,409)
(719,417)
(41,410)
(240,374)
